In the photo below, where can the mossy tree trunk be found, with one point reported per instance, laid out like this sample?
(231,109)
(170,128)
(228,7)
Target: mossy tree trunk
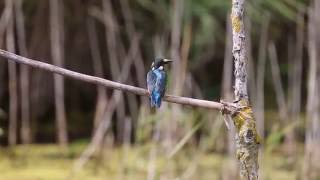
(247,139)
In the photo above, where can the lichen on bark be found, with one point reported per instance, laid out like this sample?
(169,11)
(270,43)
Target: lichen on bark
(247,138)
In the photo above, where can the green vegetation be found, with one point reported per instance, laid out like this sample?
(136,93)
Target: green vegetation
(46,162)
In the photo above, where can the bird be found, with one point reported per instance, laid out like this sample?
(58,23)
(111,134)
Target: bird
(157,81)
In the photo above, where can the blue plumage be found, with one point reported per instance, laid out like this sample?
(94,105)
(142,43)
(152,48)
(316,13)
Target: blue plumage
(156,82)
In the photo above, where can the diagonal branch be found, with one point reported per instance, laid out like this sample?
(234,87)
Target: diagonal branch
(226,107)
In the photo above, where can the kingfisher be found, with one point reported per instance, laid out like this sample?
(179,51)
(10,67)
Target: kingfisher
(157,80)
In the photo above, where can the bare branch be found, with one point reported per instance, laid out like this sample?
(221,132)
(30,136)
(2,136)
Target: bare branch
(111,84)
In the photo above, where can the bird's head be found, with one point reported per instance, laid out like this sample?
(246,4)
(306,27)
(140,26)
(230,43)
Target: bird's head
(160,62)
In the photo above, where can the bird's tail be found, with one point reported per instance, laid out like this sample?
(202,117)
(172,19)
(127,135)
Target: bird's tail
(155,100)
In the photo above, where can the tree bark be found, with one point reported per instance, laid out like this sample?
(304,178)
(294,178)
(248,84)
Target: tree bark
(57,48)
(247,138)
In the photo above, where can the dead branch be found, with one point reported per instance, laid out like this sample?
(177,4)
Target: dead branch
(111,84)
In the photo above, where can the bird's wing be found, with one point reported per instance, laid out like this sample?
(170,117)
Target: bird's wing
(151,81)
(161,83)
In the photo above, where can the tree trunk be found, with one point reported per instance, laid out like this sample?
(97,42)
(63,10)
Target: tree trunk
(176,71)
(40,95)
(261,74)
(312,142)
(131,32)
(175,45)
(4,21)
(57,50)
(13,84)
(111,39)
(251,65)
(275,70)
(24,75)
(247,138)
(295,84)
(296,68)
(131,98)
(105,123)
(98,71)
(228,96)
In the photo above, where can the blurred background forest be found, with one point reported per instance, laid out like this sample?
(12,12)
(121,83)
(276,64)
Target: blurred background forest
(56,128)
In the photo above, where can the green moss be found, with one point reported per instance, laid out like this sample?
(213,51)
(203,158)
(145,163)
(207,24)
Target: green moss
(236,24)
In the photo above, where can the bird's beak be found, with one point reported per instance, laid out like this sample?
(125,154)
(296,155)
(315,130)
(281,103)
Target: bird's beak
(166,61)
